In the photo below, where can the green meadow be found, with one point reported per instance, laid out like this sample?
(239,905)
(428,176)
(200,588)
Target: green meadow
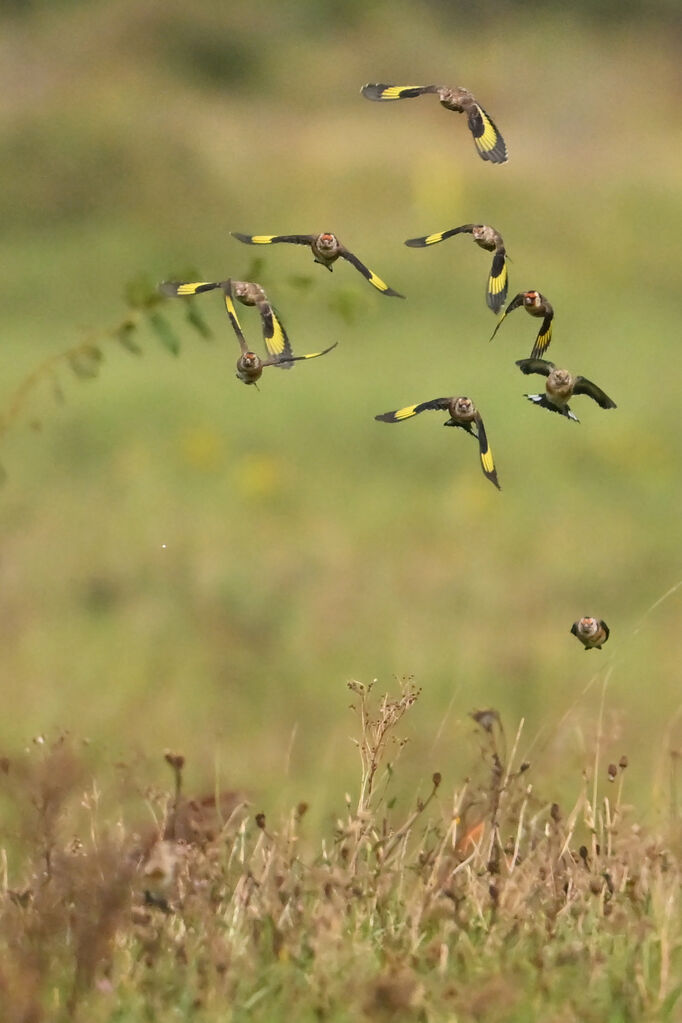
(192,564)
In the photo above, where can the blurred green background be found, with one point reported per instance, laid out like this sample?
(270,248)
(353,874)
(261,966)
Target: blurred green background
(189,563)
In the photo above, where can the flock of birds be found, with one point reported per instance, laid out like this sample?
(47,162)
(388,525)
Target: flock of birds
(560,384)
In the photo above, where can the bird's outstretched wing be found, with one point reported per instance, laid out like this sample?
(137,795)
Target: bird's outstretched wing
(299,358)
(272,239)
(543,401)
(542,366)
(544,337)
(368,274)
(487,139)
(514,304)
(183,289)
(413,410)
(487,462)
(438,236)
(232,314)
(496,291)
(274,335)
(389,92)
(583,386)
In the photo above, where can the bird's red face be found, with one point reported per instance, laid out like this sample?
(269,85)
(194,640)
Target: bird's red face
(326,241)
(531,298)
(250,360)
(588,625)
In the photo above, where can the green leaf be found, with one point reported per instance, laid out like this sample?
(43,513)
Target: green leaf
(140,293)
(195,318)
(124,335)
(301,282)
(165,333)
(347,304)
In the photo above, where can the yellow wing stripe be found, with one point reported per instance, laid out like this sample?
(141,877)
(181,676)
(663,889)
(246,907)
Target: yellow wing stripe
(431,239)
(487,461)
(499,283)
(488,140)
(377,282)
(404,413)
(394,91)
(231,309)
(262,239)
(191,288)
(543,340)
(277,344)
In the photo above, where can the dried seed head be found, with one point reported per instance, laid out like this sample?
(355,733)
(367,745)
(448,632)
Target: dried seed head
(260,821)
(555,812)
(436,779)
(524,766)
(301,810)
(176,760)
(583,853)
(612,772)
(623,762)
(485,718)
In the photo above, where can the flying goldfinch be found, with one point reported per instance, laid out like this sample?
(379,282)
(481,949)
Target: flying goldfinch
(490,240)
(464,414)
(592,632)
(249,294)
(537,305)
(326,249)
(249,365)
(560,388)
(487,139)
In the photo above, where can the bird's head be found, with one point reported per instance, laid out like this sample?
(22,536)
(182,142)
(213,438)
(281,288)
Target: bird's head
(531,299)
(327,241)
(561,377)
(464,408)
(588,626)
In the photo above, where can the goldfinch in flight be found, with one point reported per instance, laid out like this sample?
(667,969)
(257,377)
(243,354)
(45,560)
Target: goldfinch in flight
(490,240)
(464,414)
(592,632)
(250,294)
(249,365)
(537,305)
(487,139)
(326,249)
(560,387)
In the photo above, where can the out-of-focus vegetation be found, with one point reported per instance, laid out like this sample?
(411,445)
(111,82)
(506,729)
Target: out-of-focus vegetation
(484,903)
(193,564)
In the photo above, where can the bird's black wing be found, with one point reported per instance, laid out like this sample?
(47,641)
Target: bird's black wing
(544,337)
(438,236)
(413,410)
(514,304)
(583,386)
(496,291)
(487,139)
(272,239)
(542,366)
(381,93)
(368,274)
